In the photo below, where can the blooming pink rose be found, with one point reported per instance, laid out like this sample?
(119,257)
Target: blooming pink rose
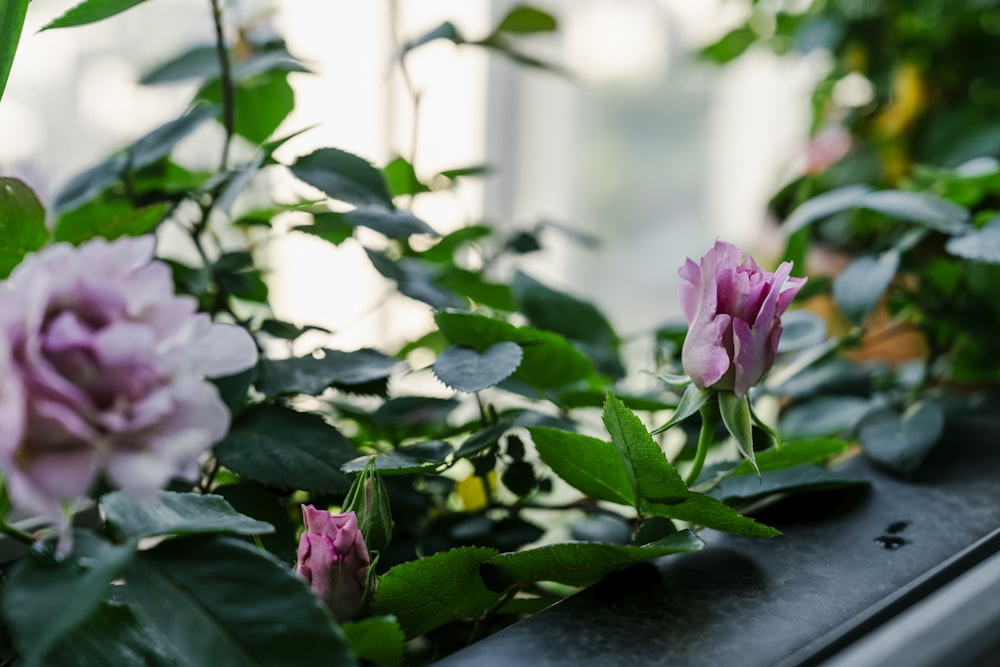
(734,313)
(111,368)
(334,560)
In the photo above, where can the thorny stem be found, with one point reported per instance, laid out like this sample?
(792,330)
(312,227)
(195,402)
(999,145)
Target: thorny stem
(480,625)
(205,485)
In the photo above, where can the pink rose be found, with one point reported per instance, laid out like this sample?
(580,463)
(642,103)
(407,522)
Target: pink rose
(734,313)
(111,367)
(334,560)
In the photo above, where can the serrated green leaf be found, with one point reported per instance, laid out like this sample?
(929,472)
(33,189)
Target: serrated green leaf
(902,441)
(12,13)
(312,375)
(82,224)
(169,513)
(44,599)
(22,224)
(579,563)
(859,288)
(344,177)
(549,359)
(378,639)
(701,510)
(427,593)
(735,413)
(482,440)
(215,601)
(414,278)
(330,226)
(652,475)
(91,11)
(405,460)
(691,402)
(462,368)
(587,464)
(288,449)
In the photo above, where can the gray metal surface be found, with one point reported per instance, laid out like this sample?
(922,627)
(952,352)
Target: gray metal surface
(847,563)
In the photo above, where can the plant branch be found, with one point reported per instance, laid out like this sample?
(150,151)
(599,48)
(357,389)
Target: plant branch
(226,83)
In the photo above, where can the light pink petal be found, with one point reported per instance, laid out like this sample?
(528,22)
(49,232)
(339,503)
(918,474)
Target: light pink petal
(704,355)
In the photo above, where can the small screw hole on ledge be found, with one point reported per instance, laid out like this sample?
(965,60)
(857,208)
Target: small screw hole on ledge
(890,542)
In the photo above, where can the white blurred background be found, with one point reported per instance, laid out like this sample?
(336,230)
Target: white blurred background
(645,148)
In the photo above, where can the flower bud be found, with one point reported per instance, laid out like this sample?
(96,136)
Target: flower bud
(333,559)
(369,500)
(733,310)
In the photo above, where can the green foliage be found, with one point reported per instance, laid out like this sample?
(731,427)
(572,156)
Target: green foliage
(22,223)
(377,639)
(91,11)
(901,441)
(11,22)
(167,513)
(292,450)
(466,370)
(429,592)
(215,596)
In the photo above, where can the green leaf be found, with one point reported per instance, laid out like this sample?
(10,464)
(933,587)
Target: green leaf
(920,207)
(557,311)
(111,635)
(902,441)
(691,402)
(12,13)
(427,593)
(222,602)
(587,464)
(44,599)
(652,475)
(91,11)
(343,176)
(237,182)
(82,224)
(824,205)
(378,639)
(549,360)
(161,141)
(579,563)
(330,226)
(732,45)
(859,288)
(405,460)
(415,279)
(824,416)
(981,246)
(462,368)
(736,416)
(701,510)
(312,375)
(260,104)
(482,440)
(394,223)
(793,454)
(525,20)
(267,505)
(794,479)
(169,513)
(402,179)
(471,285)
(200,63)
(22,224)
(281,447)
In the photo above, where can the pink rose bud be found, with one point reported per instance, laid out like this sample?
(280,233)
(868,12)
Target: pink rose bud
(734,313)
(334,560)
(111,367)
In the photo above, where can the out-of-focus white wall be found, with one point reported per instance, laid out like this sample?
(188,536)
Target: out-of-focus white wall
(648,150)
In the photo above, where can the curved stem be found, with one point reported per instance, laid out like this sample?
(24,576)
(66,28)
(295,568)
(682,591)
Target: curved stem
(705,438)
(225,82)
(12,531)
